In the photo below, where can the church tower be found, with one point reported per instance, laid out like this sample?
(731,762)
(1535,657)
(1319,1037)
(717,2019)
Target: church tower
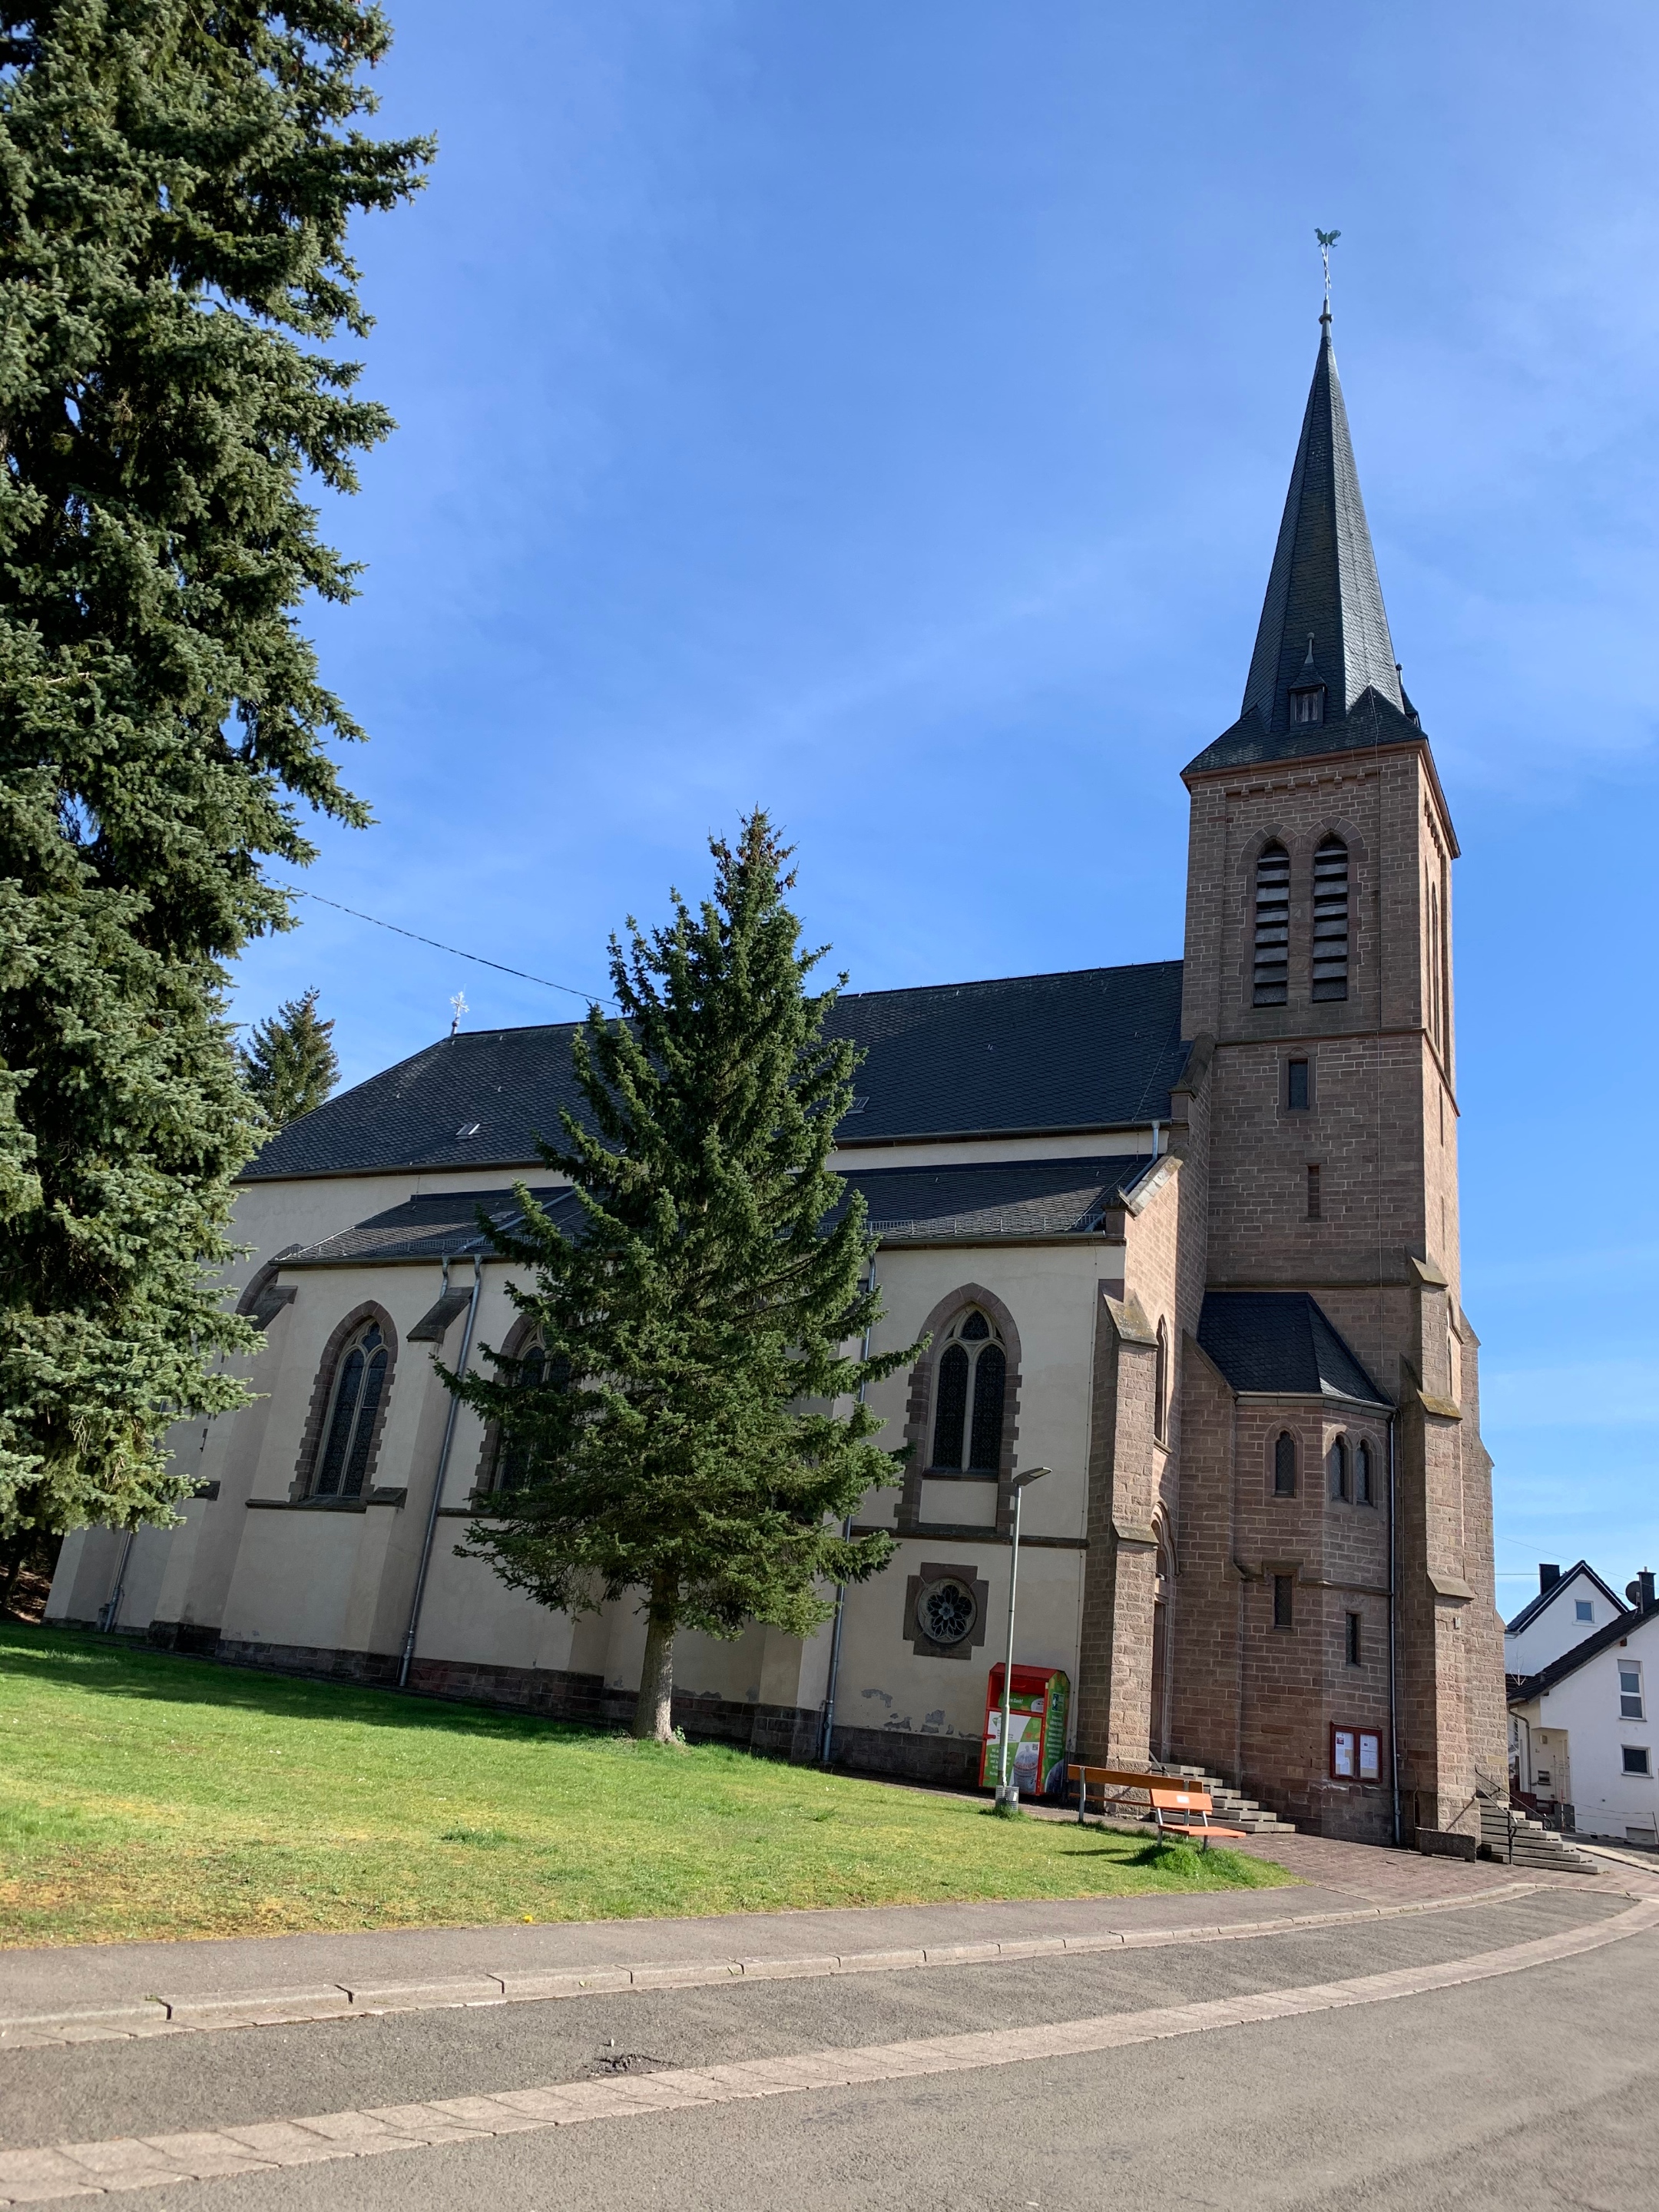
(1337,1645)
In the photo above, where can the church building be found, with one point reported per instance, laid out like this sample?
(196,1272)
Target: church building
(1184,1234)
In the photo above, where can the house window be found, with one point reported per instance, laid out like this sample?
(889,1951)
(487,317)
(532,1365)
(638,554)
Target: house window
(1330,919)
(1364,1482)
(1354,1657)
(1273,927)
(1636,1758)
(359,1386)
(1316,1206)
(968,1399)
(1284,1465)
(515,1455)
(1630,1691)
(1336,1471)
(1582,1610)
(1284,1601)
(1161,1384)
(1296,1085)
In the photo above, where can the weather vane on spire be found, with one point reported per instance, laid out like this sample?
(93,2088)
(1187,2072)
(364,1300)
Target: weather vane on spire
(1327,240)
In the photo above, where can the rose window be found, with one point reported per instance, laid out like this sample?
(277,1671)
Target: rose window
(946,1612)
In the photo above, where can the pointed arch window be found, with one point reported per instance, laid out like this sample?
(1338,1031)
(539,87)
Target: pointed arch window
(1273,926)
(1330,919)
(515,1455)
(1364,1479)
(1337,1474)
(359,1386)
(1284,1465)
(968,1397)
(1161,1384)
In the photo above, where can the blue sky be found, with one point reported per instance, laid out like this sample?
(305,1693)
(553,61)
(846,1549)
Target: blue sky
(884,414)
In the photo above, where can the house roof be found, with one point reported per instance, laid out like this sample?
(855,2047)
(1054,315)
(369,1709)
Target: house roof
(1523,1689)
(1020,1198)
(1279,1344)
(1091,1049)
(1322,619)
(1529,1613)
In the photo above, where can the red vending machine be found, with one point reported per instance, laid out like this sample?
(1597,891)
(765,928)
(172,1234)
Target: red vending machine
(1037,1702)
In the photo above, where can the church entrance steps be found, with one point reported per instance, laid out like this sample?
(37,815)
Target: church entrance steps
(1232,1808)
(1519,1840)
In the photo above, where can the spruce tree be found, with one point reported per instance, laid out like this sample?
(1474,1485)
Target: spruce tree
(692,1426)
(175,187)
(289,1063)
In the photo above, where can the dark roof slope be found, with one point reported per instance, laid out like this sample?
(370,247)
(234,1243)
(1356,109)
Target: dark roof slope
(1279,1344)
(1095,1049)
(1019,1198)
(1322,619)
(1523,1688)
(1529,1613)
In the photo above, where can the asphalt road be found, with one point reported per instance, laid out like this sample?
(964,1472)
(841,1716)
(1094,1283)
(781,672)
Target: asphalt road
(1536,2089)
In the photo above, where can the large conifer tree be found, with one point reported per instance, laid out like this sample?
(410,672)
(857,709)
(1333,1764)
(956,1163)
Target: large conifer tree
(289,1062)
(692,1425)
(176,182)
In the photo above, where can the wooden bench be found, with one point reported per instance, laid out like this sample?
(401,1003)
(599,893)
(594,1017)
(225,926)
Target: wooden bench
(1186,1813)
(1176,1811)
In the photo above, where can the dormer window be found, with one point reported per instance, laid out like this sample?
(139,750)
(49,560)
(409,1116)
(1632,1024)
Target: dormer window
(1307,694)
(1307,705)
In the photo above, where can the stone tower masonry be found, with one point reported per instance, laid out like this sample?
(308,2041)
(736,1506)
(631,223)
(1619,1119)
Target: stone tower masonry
(1318,966)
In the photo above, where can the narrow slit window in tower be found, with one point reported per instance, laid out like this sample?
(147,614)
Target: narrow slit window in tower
(1315,1210)
(1284,1465)
(1330,920)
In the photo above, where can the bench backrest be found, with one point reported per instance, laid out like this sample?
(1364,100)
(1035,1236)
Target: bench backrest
(1182,1801)
(1114,1777)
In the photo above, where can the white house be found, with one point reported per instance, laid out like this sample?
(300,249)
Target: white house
(1568,1607)
(1582,1728)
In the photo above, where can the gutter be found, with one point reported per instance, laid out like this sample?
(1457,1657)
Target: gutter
(827,1738)
(1394,1672)
(438,1480)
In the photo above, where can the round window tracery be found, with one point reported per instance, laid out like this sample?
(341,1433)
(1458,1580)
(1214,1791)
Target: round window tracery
(946,1611)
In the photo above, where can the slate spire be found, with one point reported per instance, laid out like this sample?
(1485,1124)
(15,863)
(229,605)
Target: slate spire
(1323,624)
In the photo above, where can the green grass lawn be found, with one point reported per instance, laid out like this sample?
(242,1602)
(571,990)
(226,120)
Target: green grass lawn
(147,1795)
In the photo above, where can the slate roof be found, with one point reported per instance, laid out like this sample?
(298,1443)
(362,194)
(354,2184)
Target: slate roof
(1525,1687)
(1005,1198)
(1323,585)
(440,1225)
(1530,1611)
(1021,1198)
(1091,1049)
(1279,1344)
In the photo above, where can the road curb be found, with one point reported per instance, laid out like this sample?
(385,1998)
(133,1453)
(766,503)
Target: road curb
(162,2014)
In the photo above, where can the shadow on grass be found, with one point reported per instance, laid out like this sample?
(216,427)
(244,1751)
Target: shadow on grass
(98,1667)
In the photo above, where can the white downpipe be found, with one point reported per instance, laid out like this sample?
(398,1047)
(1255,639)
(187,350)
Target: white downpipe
(438,1481)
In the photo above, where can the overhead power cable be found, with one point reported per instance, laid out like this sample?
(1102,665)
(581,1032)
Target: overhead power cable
(524,975)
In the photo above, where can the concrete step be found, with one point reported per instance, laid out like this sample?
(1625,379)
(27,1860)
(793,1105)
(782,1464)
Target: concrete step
(1233,1808)
(1529,1843)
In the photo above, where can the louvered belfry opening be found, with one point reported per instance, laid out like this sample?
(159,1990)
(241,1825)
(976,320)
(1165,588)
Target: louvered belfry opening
(1330,920)
(1273,927)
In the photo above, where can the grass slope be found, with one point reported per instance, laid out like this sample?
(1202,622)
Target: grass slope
(145,1795)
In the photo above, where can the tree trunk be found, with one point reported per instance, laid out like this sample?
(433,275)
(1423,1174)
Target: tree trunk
(653,1715)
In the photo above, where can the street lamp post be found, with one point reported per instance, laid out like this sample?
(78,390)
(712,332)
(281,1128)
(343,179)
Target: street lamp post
(1007,1792)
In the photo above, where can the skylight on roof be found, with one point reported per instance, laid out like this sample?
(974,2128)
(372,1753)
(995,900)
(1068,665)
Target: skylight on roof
(468,1128)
